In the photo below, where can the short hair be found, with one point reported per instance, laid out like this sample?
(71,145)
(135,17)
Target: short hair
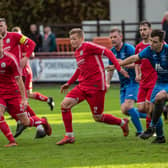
(159,33)
(78,31)
(3,20)
(145,22)
(16,29)
(115,29)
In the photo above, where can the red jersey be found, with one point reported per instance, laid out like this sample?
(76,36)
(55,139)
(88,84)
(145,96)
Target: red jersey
(9,69)
(148,73)
(12,42)
(91,73)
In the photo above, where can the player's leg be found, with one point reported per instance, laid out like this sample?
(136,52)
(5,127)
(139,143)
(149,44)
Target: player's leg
(15,108)
(74,97)
(149,106)
(165,112)
(159,96)
(128,106)
(96,103)
(4,126)
(36,95)
(40,133)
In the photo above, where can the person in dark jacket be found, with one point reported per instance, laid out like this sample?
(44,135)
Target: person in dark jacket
(36,37)
(48,40)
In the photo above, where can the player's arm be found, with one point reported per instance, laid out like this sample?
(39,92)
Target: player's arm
(17,75)
(116,64)
(28,47)
(74,77)
(130,60)
(130,66)
(99,50)
(21,86)
(108,78)
(137,72)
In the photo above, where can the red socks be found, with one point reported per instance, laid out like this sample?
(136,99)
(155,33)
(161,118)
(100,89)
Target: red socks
(148,121)
(110,119)
(39,96)
(35,121)
(30,111)
(6,130)
(67,118)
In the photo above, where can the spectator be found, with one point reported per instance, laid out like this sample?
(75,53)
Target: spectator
(48,40)
(165,26)
(36,37)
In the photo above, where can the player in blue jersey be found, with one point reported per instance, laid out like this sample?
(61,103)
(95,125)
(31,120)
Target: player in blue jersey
(128,86)
(157,54)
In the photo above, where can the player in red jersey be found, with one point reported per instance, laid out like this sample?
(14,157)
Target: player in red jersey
(13,42)
(92,85)
(27,77)
(145,74)
(27,74)
(12,96)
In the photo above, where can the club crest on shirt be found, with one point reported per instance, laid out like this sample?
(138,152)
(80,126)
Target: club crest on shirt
(3,65)
(81,52)
(8,40)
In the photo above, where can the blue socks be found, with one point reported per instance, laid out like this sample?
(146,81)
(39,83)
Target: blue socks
(135,115)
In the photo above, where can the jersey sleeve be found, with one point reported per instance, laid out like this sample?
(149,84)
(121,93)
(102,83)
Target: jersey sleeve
(100,50)
(15,69)
(144,53)
(27,44)
(74,76)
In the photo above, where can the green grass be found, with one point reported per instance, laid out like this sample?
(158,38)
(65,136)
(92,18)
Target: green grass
(97,145)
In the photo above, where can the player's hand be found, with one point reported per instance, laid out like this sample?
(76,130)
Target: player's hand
(119,60)
(24,103)
(107,86)
(109,68)
(64,88)
(124,73)
(138,78)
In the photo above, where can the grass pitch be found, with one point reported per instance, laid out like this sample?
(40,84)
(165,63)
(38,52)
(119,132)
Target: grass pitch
(97,145)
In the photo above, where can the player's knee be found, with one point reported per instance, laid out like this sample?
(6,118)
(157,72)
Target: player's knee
(64,105)
(97,118)
(161,96)
(141,109)
(24,119)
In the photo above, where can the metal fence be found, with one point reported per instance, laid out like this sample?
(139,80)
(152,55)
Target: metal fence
(99,28)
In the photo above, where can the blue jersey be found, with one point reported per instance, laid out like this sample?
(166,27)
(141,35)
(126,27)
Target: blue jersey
(158,60)
(125,51)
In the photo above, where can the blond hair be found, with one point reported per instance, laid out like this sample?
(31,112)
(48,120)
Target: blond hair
(77,31)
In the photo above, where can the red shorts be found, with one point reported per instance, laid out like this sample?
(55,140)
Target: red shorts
(13,105)
(95,98)
(144,94)
(28,78)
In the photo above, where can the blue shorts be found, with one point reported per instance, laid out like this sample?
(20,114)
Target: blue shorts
(129,91)
(158,87)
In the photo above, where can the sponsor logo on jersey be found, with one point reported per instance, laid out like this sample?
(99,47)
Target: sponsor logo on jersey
(3,65)
(8,40)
